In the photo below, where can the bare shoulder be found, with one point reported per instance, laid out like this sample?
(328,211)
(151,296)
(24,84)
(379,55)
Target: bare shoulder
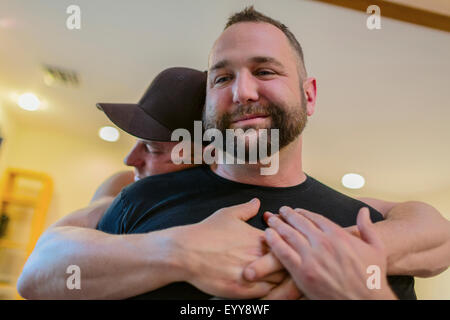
(113,185)
(124,177)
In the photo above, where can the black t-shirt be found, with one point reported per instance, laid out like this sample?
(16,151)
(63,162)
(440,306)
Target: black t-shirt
(189,196)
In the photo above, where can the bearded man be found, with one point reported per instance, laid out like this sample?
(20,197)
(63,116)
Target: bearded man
(198,233)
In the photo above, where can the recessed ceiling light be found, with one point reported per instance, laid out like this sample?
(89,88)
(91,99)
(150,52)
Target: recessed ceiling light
(28,101)
(110,134)
(353,181)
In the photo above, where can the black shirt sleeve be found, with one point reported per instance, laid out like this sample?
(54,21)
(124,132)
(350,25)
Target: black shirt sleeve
(113,219)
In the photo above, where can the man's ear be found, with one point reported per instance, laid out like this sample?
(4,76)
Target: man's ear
(309,86)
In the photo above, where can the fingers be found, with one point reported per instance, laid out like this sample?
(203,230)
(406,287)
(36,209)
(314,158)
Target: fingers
(252,290)
(301,223)
(354,231)
(246,210)
(276,277)
(320,221)
(293,237)
(262,267)
(283,251)
(367,229)
(287,290)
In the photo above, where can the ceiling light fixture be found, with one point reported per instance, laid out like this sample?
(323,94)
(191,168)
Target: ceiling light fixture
(110,134)
(353,181)
(29,101)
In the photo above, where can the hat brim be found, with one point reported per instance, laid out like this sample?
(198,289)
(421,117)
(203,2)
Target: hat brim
(133,120)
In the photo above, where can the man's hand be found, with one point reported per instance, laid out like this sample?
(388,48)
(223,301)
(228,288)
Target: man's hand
(216,251)
(287,290)
(416,237)
(268,264)
(324,260)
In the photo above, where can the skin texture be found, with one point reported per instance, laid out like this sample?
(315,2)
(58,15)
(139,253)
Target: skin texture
(325,261)
(181,253)
(225,250)
(253,63)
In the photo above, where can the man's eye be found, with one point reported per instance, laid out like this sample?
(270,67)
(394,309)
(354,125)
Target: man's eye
(152,151)
(264,72)
(221,79)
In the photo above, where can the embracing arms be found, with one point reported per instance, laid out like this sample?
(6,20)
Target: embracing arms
(120,266)
(416,237)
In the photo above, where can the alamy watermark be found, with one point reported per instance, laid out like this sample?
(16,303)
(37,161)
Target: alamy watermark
(374,280)
(374,20)
(74,280)
(73,21)
(237,147)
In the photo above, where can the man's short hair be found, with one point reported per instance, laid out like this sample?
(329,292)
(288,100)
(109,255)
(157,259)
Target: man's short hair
(249,14)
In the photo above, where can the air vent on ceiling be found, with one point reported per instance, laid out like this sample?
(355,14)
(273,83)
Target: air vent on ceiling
(58,76)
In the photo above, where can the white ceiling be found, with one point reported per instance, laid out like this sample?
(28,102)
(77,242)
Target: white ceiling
(383,96)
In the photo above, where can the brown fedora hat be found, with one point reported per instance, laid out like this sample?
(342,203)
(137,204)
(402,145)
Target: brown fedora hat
(174,99)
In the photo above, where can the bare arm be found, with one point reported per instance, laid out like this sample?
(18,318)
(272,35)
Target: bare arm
(121,266)
(113,185)
(112,266)
(416,236)
(71,241)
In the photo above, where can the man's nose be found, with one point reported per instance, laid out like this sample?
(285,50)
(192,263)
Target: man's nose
(245,88)
(134,158)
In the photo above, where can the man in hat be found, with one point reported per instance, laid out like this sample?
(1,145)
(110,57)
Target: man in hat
(173,100)
(150,122)
(147,158)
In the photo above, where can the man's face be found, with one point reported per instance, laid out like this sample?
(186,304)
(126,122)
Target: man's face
(151,158)
(254,82)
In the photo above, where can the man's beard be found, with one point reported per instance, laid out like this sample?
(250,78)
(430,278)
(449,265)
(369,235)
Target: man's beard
(290,120)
